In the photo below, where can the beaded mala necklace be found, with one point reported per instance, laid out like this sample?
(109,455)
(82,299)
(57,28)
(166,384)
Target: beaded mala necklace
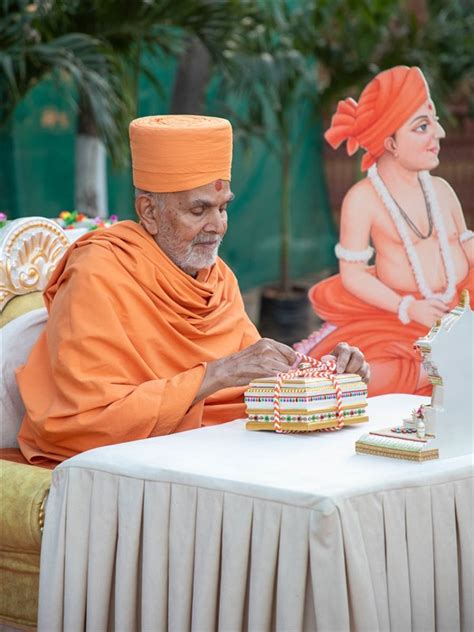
(408,219)
(309,368)
(425,180)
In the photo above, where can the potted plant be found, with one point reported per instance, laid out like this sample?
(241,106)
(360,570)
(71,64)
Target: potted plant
(275,78)
(30,51)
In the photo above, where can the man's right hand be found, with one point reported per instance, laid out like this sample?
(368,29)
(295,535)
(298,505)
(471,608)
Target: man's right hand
(264,358)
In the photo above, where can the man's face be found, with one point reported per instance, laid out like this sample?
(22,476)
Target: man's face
(190,227)
(418,139)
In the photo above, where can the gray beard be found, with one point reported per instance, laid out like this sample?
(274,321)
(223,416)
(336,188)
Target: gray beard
(192,261)
(196,261)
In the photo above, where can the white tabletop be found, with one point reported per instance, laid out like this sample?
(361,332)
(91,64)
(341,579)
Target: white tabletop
(303,469)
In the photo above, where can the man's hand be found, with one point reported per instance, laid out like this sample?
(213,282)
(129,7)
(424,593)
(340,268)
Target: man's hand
(427,312)
(268,357)
(350,360)
(264,358)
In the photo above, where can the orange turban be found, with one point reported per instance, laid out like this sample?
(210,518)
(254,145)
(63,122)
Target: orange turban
(181,152)
(384,105)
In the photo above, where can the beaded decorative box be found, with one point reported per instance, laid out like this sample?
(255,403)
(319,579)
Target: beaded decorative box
(397,443)
(313,397)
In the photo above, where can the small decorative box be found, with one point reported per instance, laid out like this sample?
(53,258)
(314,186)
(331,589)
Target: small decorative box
(398,443)
(304,403)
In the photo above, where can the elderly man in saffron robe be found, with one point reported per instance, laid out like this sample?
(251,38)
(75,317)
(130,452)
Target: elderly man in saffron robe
(147,332)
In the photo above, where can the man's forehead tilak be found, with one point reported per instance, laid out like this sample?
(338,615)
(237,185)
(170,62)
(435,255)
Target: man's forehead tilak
(432,112)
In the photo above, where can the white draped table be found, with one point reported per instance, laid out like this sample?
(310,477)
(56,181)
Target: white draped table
(226,529)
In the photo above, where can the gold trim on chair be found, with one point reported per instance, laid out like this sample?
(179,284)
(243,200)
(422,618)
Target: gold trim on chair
(30,249)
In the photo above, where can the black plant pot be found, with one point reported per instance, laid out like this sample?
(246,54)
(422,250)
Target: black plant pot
(285,317)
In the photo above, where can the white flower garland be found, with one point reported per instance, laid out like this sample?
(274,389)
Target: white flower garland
(466,236)
(425,180)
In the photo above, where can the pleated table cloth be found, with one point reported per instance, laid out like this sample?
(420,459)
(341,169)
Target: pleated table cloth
(226,529)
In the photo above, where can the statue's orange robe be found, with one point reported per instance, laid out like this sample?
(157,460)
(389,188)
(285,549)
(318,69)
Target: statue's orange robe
(386,343)
(125,347)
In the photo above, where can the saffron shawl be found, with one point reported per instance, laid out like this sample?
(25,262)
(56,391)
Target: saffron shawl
(125,348)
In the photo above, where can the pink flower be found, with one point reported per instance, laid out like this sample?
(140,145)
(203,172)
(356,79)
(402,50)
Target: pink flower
(418,412)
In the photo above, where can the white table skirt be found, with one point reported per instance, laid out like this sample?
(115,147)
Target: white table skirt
(222,528)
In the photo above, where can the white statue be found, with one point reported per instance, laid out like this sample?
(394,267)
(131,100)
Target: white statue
(448,358)
(444,427)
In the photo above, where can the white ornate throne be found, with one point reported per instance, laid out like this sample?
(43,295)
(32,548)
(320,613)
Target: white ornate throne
(30,248)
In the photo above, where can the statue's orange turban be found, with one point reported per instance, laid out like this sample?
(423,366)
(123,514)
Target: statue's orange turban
(384,105)
(179,152)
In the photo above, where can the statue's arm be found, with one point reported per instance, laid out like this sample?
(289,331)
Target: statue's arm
(466,236)
(356,224)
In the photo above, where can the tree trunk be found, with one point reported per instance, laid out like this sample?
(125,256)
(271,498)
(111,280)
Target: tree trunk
(285,217)
(191,79)
(8,190)
(90,195)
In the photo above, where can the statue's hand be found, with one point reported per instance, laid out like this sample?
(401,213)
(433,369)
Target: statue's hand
(350,360)
(426,312)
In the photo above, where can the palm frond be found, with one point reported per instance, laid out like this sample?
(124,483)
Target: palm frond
(106,40)
(268,70)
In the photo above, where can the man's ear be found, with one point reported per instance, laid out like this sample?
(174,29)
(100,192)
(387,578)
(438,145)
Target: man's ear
(390,145)
(146,210)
